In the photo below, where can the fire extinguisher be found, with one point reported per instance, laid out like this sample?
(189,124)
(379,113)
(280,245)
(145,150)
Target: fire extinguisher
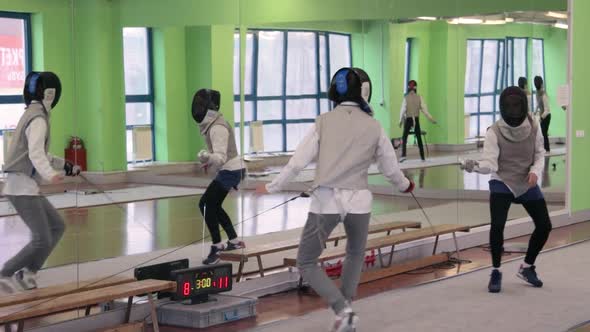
(76,153)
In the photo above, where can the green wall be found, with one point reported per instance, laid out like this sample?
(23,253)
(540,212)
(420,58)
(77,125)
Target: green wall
(580,117)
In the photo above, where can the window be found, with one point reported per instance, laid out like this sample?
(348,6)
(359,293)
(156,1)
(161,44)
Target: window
(538,66)
(408,67)
(139,94)
(491,66)
(287,75)
(15,63)
(483,83)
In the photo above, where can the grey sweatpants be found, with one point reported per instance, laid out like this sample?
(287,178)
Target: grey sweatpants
(317,229)
(47,228)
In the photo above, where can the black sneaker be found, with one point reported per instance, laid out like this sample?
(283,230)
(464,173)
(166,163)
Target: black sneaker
(213,257)
(234,246)
(529,275)
(495,285)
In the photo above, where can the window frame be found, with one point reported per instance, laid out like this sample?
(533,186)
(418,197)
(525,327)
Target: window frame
(319,96)
(145,98)
(26,17)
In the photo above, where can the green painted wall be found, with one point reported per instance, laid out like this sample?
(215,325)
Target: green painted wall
(99,86)
(255,12)
(580,117)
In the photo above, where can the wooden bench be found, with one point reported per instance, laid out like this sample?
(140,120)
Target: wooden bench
(391,241)
(85,299)
(59,290)
(242,255)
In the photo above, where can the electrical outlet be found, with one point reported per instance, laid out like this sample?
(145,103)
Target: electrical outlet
(580,133)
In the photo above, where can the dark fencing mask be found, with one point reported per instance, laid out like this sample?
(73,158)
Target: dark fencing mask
(522,83)
(538,83)
(44,87)
(203,101)
(412,86)
(513,106)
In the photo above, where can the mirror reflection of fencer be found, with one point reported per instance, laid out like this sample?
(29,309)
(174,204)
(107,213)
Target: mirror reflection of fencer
(220,156)
(412,105)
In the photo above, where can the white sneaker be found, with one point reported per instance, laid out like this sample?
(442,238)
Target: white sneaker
(28,279)
(345,321)
(10,285)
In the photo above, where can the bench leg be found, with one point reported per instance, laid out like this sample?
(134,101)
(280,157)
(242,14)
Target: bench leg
(260,267)
(435,246)
(380,257)
(87,313)
(391,256)
(128,310)
(456,246)
(336,243)
(21,326)
(240,270)
(154,314)
(389,232)
(8,327)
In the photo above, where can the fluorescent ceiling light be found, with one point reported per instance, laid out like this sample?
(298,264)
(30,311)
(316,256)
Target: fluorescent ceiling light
(556,15)
(463,20)
(427,18)
(561,25)
(494,22)
(509,20)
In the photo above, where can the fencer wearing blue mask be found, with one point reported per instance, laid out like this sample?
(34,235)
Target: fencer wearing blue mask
(27,164)
(344,142)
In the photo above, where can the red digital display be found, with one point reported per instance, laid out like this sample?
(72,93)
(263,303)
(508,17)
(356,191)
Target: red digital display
(203,281)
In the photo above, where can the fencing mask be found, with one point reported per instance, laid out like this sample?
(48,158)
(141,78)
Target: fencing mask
(412,86)
(204,100)
(538,83)
(351,84)
(513,106)
(522,83)
(44,87)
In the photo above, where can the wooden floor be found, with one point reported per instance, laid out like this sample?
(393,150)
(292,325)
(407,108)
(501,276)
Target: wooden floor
(293,304)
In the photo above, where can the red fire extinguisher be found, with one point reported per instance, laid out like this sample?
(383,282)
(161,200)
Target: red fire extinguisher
(76,153)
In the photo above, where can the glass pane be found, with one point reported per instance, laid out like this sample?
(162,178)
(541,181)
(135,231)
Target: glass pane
(302,109)
(295,133)
(138,114)
(270,63)
(339,52)
(246,139)
(248,111)
(323,65)
(12,60)
(486,104)
(489,67)
(301,64)
(129,140)
(472,67)
(135,56)
(249,63)
(520,65)
(471,105)
(325,105)
(473,130)
(510,64)
(273,137)
(10,114)
(484,122)
(499,78)
(538,58)
(270,110)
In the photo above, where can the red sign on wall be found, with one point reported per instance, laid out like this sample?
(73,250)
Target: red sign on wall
(12,62)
